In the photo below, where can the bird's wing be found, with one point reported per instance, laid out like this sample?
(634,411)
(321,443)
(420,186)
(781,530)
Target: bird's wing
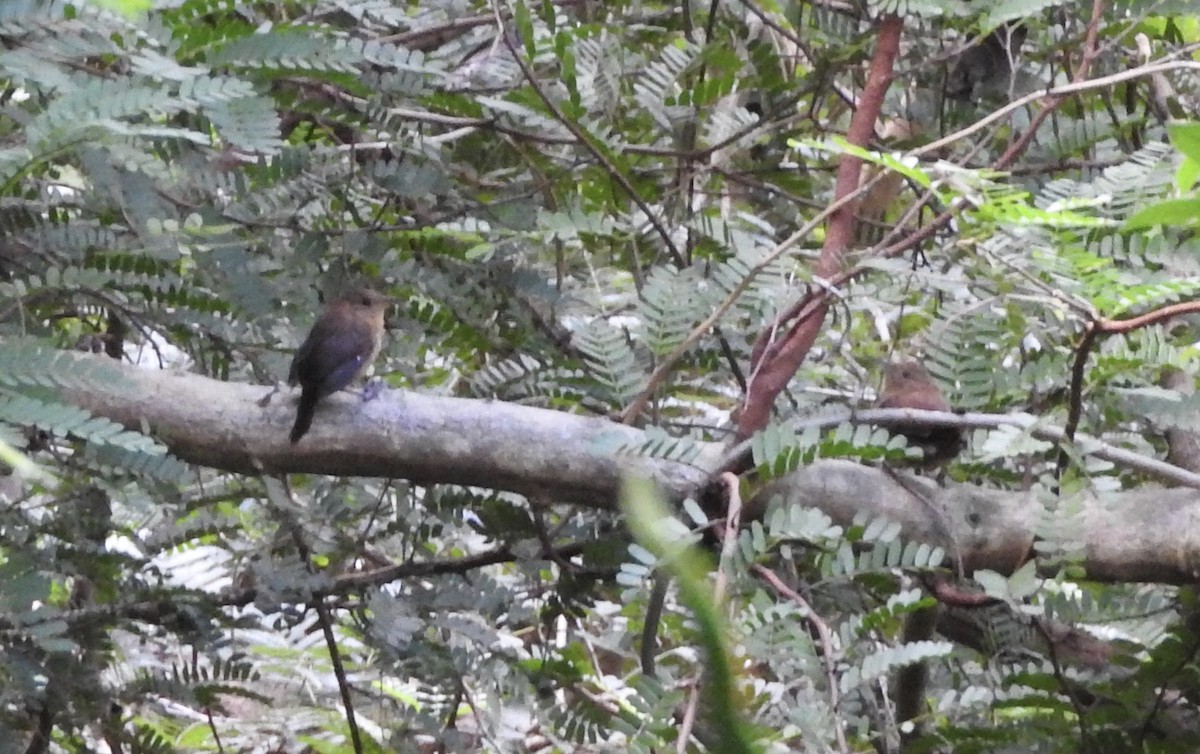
(928,400)
(330,357)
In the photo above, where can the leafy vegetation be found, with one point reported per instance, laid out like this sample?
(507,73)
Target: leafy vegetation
(649,213)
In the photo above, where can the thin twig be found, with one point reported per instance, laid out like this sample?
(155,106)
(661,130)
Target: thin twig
(1075,392)
(1051,93)
(826,639)
(350,582)
(911,417)
(212,726)
(1066,686)
(689,715)
(657,600)
(339,671)
(733,522)
(729,535)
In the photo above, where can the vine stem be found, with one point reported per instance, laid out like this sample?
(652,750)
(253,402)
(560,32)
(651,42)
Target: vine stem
(823,634)
(778,360)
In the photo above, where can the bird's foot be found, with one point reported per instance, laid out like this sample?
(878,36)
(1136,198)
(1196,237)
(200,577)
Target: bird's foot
(372,390)
(266,399)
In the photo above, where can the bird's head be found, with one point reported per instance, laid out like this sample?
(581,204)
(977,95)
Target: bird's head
(368,299)
(899,374)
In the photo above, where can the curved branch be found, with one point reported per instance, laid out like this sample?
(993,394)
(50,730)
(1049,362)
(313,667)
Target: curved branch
(1096,329)
(738,456)
(1075,392)
(423,438)
(1053,93)
(566,458)
(1149,534)
(779,360)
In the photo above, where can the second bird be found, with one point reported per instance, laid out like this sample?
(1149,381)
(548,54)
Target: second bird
(338,350)
(906,384)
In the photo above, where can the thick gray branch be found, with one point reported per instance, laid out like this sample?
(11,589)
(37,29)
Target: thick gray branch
(544,454)
(1149,534)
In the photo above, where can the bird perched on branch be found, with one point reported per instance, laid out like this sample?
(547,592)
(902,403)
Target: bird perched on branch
(906,384)
(338,350)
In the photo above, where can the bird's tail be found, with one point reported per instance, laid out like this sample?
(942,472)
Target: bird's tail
(304,415)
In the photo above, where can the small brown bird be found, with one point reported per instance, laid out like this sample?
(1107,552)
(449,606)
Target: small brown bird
(338,350)
(906,384)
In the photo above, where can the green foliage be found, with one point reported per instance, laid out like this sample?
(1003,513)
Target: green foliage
(778,449)
(31,377)
(611,361)
(661,534)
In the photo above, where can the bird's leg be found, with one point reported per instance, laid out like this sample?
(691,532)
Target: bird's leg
(372,389)
(266,399)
